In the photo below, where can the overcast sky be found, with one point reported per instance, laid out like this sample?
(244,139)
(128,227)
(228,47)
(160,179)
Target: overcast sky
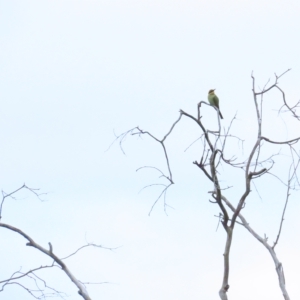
(73,73)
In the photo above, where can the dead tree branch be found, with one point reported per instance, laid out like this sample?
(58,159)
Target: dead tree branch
(81,289)
(278,265)
(254,167)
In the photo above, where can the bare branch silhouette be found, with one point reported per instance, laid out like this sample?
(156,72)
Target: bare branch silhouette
(41,289)
(254,166)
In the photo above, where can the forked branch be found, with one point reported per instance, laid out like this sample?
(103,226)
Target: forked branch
(81,288)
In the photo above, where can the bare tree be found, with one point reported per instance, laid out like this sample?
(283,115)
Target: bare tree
(39,289)
(215,144)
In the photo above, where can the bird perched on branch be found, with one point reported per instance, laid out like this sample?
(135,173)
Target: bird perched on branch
(214,100)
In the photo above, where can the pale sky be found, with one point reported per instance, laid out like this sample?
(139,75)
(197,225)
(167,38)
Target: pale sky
(74,72)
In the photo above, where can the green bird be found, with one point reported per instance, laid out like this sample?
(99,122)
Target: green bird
(214,100)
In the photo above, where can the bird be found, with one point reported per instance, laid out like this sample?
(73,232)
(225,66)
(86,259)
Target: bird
(214,100)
